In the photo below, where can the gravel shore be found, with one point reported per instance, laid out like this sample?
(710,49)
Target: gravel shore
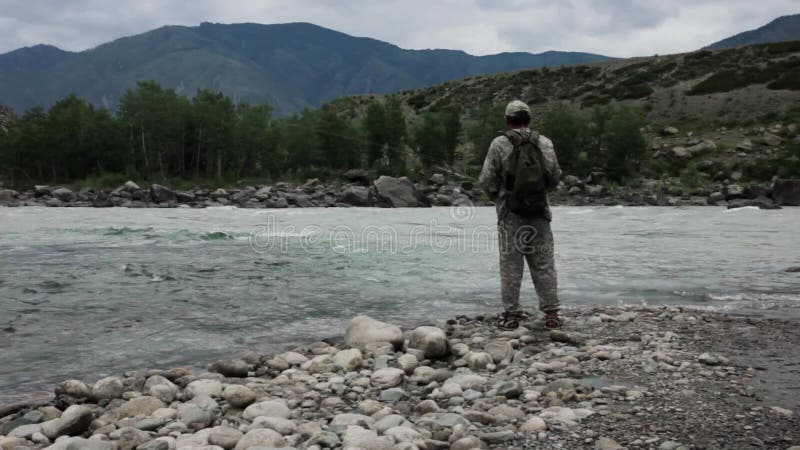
(638,378)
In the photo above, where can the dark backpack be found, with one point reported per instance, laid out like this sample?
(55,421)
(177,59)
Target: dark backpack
(526,177)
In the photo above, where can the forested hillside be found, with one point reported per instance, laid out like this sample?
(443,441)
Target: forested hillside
(289,66)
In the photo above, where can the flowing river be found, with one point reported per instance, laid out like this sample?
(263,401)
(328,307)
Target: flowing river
(86,293)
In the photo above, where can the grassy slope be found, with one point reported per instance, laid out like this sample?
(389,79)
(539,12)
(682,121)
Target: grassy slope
(724,96)
(660,85)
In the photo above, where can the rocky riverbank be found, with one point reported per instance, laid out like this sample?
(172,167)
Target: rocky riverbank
(391,192)
(641,378)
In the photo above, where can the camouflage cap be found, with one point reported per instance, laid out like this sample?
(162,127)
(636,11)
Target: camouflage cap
(517,108)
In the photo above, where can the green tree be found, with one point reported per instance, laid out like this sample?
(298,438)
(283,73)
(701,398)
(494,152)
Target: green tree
(489,122)
(253,140)
(375,129)
(155,119)
(299,141)
(25,150)
(567,129)
(625,145)
(81,139)
(213,119)
(596,133)
(395,134)
(386,131)
(338,139)
(436,137)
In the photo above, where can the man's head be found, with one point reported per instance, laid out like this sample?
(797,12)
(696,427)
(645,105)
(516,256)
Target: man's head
(518,114)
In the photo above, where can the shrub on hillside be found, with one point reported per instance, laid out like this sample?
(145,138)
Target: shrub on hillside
(567,129)
(726,81)
(692,177)
(625,147)
(790,162)
(788,81)
(781,47)
(418,101)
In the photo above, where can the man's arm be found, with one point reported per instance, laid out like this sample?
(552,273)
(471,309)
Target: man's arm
(490,174)
(553,170)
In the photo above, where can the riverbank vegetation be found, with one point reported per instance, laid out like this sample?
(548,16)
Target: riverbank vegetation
(157,134)
(702,118)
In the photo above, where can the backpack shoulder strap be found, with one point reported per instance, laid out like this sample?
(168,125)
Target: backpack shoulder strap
(535,138)
(510,169)
(513,137)
(516,141)
(539,155)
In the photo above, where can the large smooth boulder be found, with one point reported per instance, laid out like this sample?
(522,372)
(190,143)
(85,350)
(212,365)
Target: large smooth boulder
(234,368)
(319,364)
(129,186)
(73,388)
(356,437)
(225,437)
(678,152)
(162,194)
(161,388)
(140,406)
(387,378)
(468,380)
(75,420)
(239,396)
(360,176)
(431,340)
(702,147)
(786,192)
(349,360)
(438,178)
(41,190)
(733,191)
(186,197)
(108,388)
(771,139)
(199,413)
(211,388)
(393,192)
(263,193)
(8,195)
(282,426)
(364,330)
(129,438)
(745,146)
(276,203)
(355,196)
(269,408)
(260,437)
(64,194)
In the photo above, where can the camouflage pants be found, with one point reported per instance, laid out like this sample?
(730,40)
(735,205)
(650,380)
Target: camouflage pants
(528,240)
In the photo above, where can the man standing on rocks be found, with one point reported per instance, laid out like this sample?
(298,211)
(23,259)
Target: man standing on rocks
(520,168)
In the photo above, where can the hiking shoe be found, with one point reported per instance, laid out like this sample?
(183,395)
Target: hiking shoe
(553,322)
(509,321)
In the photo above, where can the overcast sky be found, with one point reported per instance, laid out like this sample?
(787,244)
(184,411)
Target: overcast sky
(610,27)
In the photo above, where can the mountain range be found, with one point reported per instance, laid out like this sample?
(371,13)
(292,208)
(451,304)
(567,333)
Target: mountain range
(785,28)
(290,66)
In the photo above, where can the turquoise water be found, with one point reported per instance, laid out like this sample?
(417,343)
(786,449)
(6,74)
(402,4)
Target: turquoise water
(89,292)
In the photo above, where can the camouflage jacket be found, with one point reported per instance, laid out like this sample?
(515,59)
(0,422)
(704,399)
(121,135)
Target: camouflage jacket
(492,175)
